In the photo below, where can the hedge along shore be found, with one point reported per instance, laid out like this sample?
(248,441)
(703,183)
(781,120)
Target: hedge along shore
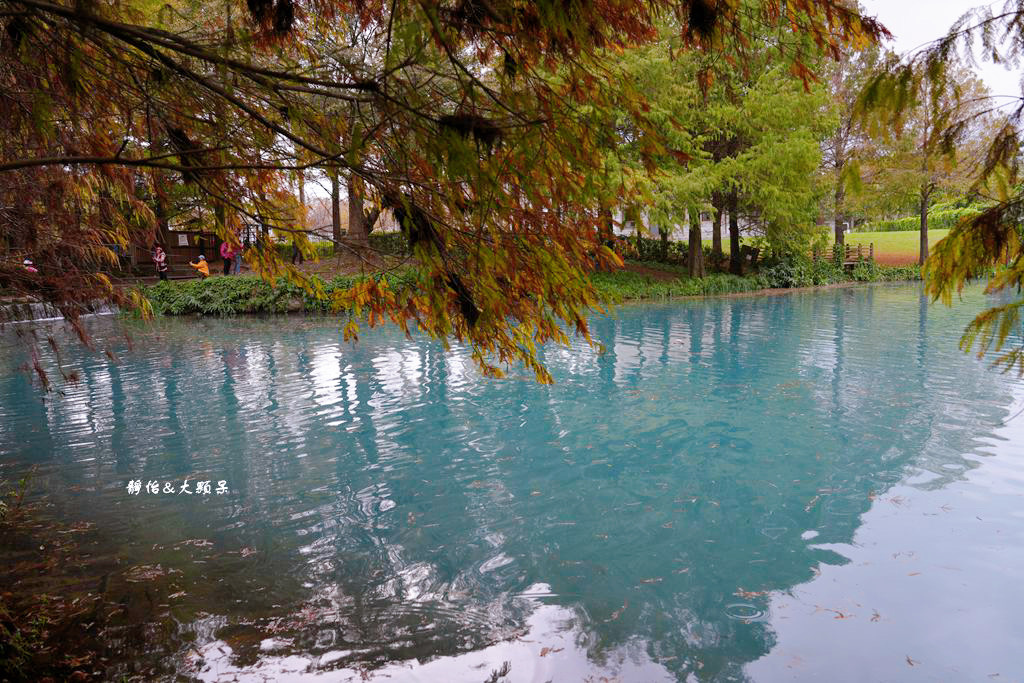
(234,295)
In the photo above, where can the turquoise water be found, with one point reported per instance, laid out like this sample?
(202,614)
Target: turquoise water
(817,486)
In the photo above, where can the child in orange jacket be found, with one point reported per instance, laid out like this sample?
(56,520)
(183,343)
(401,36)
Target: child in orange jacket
(201,266)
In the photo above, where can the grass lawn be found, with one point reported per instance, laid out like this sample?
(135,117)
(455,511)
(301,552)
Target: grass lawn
(895,248)
(891,248)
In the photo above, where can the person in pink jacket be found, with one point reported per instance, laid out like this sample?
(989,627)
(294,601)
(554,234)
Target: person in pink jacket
(227,253)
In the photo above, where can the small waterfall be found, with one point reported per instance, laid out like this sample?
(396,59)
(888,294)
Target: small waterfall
(30,311)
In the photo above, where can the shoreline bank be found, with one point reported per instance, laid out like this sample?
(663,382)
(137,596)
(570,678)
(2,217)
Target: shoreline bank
(637,283)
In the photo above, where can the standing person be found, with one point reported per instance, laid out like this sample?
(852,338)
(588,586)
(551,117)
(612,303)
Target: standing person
(297,253)
(228,254)
(237,269)
(160,261)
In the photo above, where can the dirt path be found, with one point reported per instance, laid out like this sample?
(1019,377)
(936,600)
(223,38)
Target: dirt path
(653,273)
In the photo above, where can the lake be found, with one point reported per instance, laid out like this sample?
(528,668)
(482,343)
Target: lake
(815,486)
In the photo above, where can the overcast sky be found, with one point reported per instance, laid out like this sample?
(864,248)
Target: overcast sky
(916,22)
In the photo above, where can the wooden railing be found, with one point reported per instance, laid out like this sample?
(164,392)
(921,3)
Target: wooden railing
(847,254)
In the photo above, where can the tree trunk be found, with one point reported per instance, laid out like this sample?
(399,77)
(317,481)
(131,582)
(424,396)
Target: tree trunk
(663,233)
(924,228)
(839,221)
(735,264)
(632,213)
(302,200)
(606,225)
(219,215)
(718,203)
(357,231)
(163,228)
(695,260)
(335,207)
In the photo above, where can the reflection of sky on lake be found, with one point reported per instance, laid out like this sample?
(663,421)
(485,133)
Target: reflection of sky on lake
(730,492)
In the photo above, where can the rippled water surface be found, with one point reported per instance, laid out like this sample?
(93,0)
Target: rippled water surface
(816,486)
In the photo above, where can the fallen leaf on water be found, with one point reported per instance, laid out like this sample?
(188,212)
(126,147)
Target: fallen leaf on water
(654,580)
(749,594)
(910,661)
(550,650)
(837,613)
(875,616)
(618,613)
(913,573)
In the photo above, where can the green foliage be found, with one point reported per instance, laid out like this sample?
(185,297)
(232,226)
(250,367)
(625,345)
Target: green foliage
(872,272)
(389,243)
(797,270)
(19,643)
(943,219)
(247,294)
(392,243)
(653,250)
(12,501)
(321,250)
(624,285)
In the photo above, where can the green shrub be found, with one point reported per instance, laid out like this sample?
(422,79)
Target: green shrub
(940,219)
(623,285)
(390,243)
(896,273)
(251,294)
(385,242)
(796,269)
(652,249)
(248,294)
